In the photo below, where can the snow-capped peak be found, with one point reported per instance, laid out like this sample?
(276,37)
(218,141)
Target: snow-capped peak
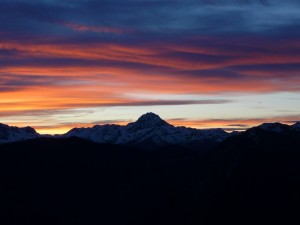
(275,127)
(12,134)
(150,131)
(148,120)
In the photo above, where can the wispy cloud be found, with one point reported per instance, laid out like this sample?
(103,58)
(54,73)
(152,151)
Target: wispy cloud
(204,66)
(96,29)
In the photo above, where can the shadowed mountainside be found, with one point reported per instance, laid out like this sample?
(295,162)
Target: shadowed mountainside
(252,177)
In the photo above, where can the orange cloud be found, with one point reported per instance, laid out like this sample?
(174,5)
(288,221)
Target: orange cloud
(102,74)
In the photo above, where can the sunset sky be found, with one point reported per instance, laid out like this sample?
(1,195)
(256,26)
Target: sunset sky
(198,63)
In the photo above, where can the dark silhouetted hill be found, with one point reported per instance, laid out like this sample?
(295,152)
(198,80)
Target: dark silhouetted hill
(250,178)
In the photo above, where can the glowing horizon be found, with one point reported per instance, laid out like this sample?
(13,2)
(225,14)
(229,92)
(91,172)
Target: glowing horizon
(228,125)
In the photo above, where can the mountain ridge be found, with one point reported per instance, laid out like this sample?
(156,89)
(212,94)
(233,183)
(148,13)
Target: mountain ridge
(148,131)
(12,133)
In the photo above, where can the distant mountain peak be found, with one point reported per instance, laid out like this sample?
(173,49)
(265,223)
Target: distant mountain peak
(296,125)
(149,117)
(148,120)
(150,131)
(12,134)
(275,127)
(270,125)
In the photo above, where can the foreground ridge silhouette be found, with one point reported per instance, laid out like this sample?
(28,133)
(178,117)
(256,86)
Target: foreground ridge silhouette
(249,177)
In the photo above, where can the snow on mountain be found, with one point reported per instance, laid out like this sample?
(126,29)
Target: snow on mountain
(267,129)
(146,121)
(148,131)
(274,127)
(13,134)
(296,126)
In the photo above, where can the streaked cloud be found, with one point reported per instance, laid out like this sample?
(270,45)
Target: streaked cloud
(38,108)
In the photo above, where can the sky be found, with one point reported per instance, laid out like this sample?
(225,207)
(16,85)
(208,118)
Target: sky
(197,63)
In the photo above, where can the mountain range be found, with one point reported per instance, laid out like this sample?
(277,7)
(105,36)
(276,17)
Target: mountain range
(149,131)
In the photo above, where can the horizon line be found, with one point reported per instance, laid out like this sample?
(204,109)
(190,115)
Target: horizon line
(228,125)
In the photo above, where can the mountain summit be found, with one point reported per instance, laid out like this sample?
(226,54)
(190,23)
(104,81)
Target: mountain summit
(151,119)
(151,131)
(148,120)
